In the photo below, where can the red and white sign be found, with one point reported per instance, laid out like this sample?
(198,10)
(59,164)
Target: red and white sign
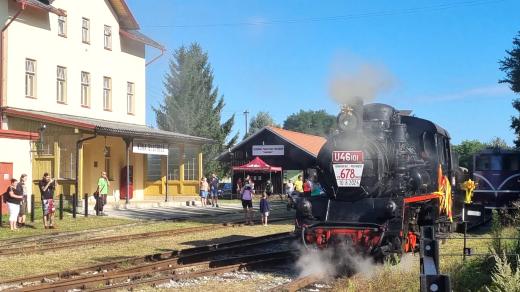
(348,167)
(348,175)
(347,156)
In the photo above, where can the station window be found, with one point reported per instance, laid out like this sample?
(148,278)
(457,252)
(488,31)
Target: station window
(108,37)
(85,30)
(30,78)
(153,167)
(107,93)
(191,163)
(67,144)
(62,25)
(174,159)
(61,84)
(130,92)
(85,89)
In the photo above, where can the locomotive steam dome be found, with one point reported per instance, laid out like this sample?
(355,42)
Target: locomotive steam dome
(354,161)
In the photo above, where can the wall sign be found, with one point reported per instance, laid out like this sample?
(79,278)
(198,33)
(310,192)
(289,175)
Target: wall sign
(146,147)
(268,150)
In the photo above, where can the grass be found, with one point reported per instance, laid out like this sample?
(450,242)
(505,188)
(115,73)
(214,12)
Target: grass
(68,224)
(60,260)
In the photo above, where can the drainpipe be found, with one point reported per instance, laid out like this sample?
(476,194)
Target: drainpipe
(78,145)
(22,8)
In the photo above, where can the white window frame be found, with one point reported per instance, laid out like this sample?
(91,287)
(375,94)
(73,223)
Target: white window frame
(130,98)
(107,32)
(85,30)
(107,93)
(30,78)
(85,89)
(61,84)
(62,25)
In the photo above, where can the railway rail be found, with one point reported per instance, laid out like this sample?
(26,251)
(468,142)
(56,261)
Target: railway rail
(52,246)
(145,267)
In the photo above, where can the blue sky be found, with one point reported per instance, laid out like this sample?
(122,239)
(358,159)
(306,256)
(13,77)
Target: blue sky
(279,56)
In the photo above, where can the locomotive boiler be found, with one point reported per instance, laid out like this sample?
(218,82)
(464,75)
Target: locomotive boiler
(384,173)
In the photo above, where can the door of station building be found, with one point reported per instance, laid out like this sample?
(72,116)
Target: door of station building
(6,174)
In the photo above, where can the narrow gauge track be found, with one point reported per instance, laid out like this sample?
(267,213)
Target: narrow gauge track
(193,258)
(112,239)
(298,283)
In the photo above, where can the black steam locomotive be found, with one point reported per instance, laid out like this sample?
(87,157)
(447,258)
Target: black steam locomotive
(385,174)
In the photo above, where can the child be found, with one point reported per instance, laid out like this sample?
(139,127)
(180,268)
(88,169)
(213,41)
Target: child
(264,208)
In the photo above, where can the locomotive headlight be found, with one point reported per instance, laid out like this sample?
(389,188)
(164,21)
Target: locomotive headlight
(347,121)
(391,206)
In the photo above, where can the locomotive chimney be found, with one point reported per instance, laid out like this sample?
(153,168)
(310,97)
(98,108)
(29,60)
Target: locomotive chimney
(351,116)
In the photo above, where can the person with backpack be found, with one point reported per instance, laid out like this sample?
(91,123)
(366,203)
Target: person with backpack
(101,193)
(13,199)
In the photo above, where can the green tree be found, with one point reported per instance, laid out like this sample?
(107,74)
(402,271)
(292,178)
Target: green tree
(511,66)
(260,120)
(466,149)
(193,106)
(318,123)
(497,142)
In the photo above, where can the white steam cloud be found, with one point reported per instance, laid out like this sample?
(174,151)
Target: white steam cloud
(328,263)
(354,78)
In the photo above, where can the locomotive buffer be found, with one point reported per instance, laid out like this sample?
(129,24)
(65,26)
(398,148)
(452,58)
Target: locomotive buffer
(430,279)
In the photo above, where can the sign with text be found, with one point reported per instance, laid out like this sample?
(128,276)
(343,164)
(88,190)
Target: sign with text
(348,175)
(147,147)
(347,156)
(267,150)
(348,167)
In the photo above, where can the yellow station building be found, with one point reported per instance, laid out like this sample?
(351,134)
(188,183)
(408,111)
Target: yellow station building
(73,73)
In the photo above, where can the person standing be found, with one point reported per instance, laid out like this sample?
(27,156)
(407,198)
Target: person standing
(214,190)
(13,202)
(289,188)
(264,209)
(204,191)
(47,186)
(21,189)
(247,203)
(307,188)
(298,185)
(269,188)
(102,192)
(239,185)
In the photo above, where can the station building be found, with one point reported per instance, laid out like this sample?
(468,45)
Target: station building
(72,102)
(294,152)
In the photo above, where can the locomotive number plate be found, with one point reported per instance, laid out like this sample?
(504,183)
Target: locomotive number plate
(347,156)
(348,175)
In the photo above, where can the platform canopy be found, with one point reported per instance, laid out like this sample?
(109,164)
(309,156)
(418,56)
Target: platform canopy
(257,165)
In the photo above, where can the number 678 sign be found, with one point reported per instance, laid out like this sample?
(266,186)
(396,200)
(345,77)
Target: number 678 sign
(348,175)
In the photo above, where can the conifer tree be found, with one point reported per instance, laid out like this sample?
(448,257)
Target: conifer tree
(511,66)
(193,106)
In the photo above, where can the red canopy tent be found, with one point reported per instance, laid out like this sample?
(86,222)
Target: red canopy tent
(258,165)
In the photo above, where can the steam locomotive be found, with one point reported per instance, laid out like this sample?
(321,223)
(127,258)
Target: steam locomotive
(385,174)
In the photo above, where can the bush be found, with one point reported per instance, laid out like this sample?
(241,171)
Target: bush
(504,277)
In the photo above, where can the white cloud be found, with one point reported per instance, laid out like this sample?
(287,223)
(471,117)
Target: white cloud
(489,91)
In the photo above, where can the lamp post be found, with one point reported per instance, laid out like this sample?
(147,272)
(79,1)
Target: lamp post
(246,112)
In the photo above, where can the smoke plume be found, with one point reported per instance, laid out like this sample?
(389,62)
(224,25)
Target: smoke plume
(354,78)
(342,259)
